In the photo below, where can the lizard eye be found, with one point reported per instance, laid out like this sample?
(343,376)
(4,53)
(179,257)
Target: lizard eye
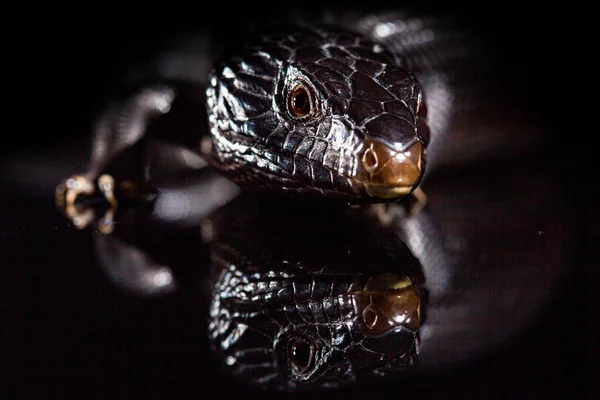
(300,100)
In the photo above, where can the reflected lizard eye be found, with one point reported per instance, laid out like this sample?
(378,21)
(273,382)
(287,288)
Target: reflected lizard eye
(301,354)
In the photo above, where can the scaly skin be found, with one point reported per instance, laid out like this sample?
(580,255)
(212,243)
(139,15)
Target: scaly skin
(363,137)
(293,314)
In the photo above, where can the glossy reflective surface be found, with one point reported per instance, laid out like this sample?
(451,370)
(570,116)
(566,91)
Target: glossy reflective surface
(143,295)
(310,295)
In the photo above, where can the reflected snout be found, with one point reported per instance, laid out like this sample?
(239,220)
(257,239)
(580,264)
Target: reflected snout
(388,302)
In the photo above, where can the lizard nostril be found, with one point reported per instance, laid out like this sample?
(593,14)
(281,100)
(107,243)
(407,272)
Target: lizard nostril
(370,160)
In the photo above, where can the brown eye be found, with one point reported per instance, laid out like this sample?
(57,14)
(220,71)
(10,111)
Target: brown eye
(299,101)
(301,354)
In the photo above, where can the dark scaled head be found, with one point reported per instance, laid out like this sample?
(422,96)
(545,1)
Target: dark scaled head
(317,110)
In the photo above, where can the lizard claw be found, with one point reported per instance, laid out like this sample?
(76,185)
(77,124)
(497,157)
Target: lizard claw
(82,215)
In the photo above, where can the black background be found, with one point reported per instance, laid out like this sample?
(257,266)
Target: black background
(68,60)
(64,331)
